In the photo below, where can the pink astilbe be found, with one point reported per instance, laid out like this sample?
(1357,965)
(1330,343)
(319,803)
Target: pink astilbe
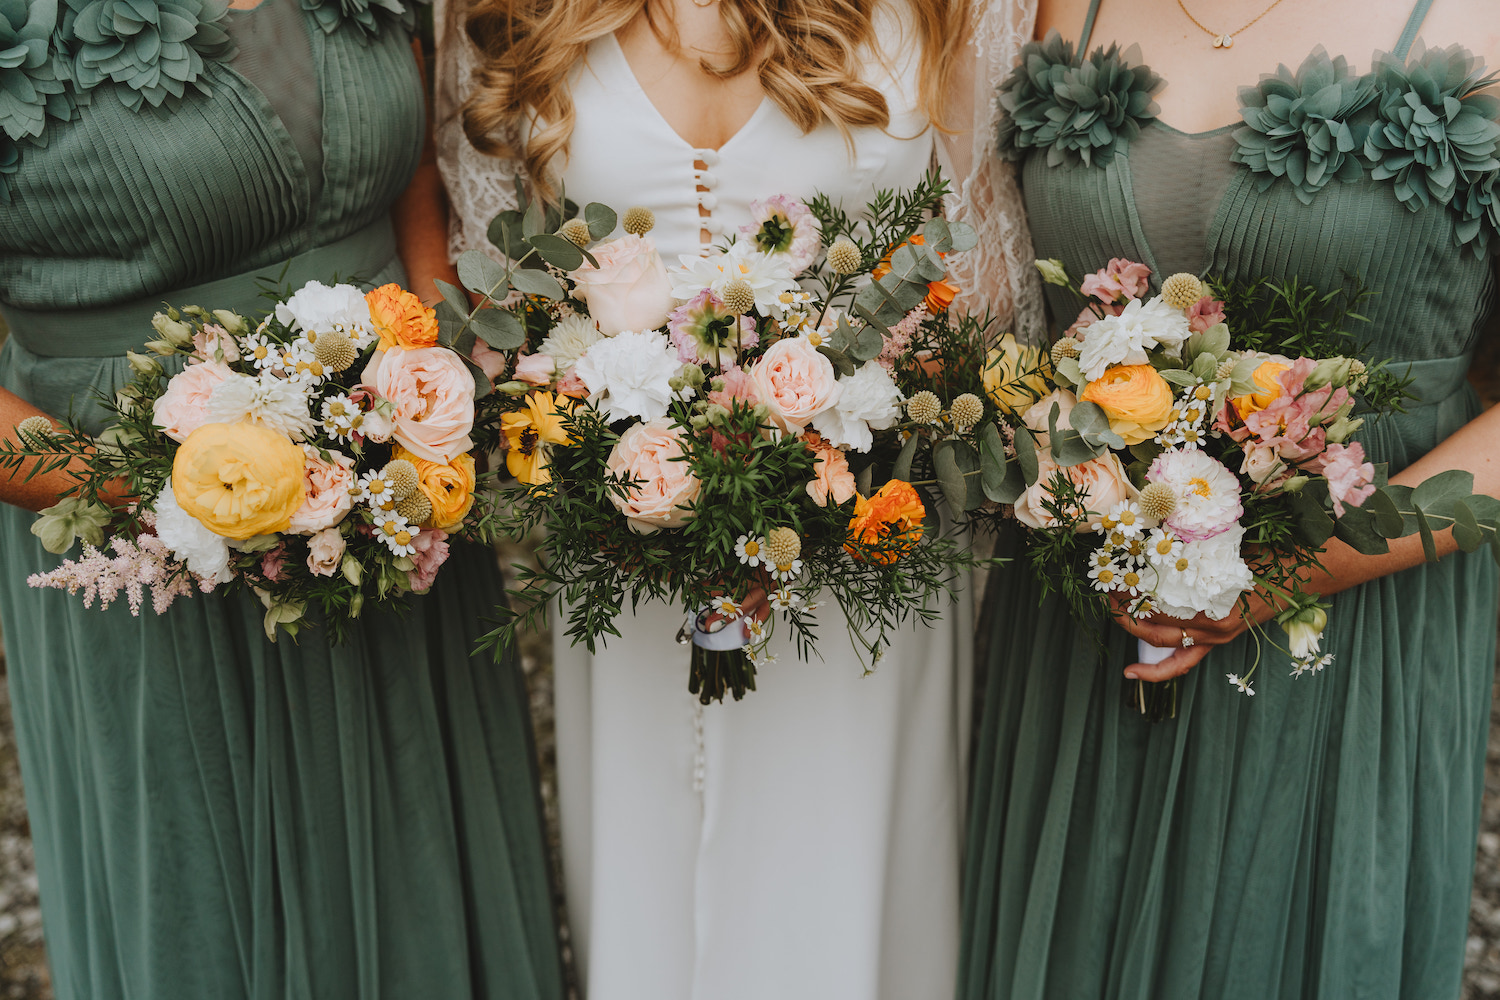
(898,337)
(137,565)
(432,552)
(1204,313)
(1120,282)
(1351,479)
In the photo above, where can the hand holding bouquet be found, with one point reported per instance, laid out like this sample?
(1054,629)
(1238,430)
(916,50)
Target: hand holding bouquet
(321,459)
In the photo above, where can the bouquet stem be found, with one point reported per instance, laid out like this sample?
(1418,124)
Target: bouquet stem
(712,673)
(1156,700)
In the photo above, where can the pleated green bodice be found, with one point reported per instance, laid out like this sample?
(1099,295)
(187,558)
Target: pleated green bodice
(1315,840)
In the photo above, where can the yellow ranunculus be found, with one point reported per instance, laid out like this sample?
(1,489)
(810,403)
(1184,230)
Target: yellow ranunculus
(1136,399)
(239,480)
(531,433)
(449,488)
(1266,377)
(401,319)
(1014,376)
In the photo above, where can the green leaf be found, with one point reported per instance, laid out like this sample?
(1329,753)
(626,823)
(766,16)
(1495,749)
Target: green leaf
(961,237)
(1314,525)
(454,297)
(902,469)
(841,362)
(1179,377)
(505,233)
(1092,424)
(1495,547)
(1388,520)
(1429,546)
(499,328)
(1068,369)
(1358,527)
(1466,531)
(480,274)
(1214,340)
(601,219)
(917,265)
(863,480)
(868,344)
(561,253)
(1204,365)
(1026,455)
(937,235)
(1013,486)
(534,221)
(451,323)
(968,463)
(950,477)
(1069,449)
(534,282)
(992,461)
(1436,493)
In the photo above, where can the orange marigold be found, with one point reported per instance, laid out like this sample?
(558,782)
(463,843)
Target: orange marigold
(940,294)
(401,319)
(887,525)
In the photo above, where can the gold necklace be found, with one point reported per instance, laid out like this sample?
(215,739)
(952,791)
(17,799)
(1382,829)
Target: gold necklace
(1225,40)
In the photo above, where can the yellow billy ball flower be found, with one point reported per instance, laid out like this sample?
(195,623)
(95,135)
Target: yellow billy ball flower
(638,221)
(576,232)
(449,487)
(1182,291)
(239,480)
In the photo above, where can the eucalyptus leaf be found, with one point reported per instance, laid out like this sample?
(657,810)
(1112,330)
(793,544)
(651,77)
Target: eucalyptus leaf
(902,469)
(868,344)
(534,282)
(480,274)
(1068,369)
(1012,487)
(1069,449)
(950,477)
(992,461)
(1092,424)
(1358,527)
(505,233)
(961,237)
(1388,520)
(1314,525)
(558,251)
(917,264)
(499,328)
(841,362)
(534,221)
(1466,531)
(601,219)
(1438,492)
(453,297)
(1178,377)
(1026,455)
(1429,546)
(937,235)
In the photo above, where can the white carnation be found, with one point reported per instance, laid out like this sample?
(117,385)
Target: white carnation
(280,404)
(318,308)
(1210,579)
(1124,339)
(569,339)
(627,375)
(205,553)
(868,401)
(768,275)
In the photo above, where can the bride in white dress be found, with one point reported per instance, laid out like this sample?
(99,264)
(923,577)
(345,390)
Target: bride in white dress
(804,842)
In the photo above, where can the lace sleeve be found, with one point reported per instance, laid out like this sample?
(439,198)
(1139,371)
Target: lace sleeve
(998,273)
(480,187)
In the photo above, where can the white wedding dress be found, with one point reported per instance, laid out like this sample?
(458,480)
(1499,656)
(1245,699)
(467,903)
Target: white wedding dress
(801,844)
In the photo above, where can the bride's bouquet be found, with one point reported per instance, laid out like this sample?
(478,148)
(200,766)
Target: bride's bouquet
(782,414)
(320,458)
(1172,452)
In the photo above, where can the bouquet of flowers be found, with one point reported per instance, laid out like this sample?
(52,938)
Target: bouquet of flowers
(779,414)
(321,458)
(1168,459)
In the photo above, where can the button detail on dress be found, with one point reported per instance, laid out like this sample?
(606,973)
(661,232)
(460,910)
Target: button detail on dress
(708,157)
(707,201)
(705,179)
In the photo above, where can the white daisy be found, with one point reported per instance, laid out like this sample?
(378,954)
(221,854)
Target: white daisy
(396,532)
(726,608)
(750,549)
(1127,514)
(341,416)
(374,489)
(1243,685)
(1163,548)
(786,572)
(783,599)
(259,350)
(1106,577)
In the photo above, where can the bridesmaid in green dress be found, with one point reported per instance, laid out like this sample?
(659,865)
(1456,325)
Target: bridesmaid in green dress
(216,816)
(1316,840)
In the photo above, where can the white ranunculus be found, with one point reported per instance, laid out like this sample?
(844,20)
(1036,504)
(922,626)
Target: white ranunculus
(868,401)
(1124,339)
(1208,494)
(1211,578)
(768,275)
(205,553)
(569,339)
(318,308)
(627,375)
(280,404)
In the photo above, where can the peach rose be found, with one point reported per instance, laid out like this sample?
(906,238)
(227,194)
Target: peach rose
(1266,377)
(1038,416)
(448,486)
(1102,482)
(831,476)
(795,383)
(1136,399)
(665,498)
(183,408)
(432,394)
(326,487)
(629,290)
(325,550)
(401,319)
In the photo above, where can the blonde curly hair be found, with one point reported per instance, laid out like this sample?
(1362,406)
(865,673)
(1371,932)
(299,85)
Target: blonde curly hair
(811,54)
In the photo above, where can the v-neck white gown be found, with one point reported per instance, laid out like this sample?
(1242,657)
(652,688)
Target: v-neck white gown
(801,844)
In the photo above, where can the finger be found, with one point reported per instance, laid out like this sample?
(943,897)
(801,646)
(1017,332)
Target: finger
(756,604)
(1155,632)
(1175,665)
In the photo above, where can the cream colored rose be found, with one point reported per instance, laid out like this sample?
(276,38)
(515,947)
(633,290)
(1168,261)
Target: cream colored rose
(432,396)
(1038,414)
(324,552)
(629,290)
(326,488)
(1102,482)
(665,498)
(795,383)
(183,408)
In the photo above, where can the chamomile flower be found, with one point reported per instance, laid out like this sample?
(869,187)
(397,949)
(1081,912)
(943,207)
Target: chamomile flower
(1102,557)
(1130,581)
(756,629)
(1133,553)
(750,549)
(1163,548)
(341,416)
(397,534)
(1103,524)
(786,572)
(726,608)
(783,599)
(1242,684)
(259,350)
(376,490)
(1311,664)
(1106,577)
(1127,514)
(760,658)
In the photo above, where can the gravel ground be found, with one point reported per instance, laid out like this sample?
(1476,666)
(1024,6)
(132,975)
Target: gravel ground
(23,970)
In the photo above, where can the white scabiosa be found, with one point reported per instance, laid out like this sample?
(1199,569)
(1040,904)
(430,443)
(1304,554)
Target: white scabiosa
(867,401)
(1124,339)
(569,339)
(629,375)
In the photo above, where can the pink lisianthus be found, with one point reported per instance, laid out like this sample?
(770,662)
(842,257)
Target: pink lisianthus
(324,552)
(1351,480)
(431,552)
(1204,313)
(831,476)
(213,343)
(783,225)
(273,563)
(489,360)
(737,385)
(1121,281)
(535,369)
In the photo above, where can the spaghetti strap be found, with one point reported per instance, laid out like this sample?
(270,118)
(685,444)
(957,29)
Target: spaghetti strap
(1413,25)
(1088,26)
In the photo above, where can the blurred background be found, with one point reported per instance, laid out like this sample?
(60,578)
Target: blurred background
(23,959)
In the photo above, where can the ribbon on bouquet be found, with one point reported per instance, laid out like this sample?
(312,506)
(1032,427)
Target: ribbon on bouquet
(720,636)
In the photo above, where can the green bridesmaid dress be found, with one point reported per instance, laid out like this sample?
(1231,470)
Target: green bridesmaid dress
(217,816)
(1315,840)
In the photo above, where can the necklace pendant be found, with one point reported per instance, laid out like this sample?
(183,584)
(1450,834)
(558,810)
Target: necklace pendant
(1224,41)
